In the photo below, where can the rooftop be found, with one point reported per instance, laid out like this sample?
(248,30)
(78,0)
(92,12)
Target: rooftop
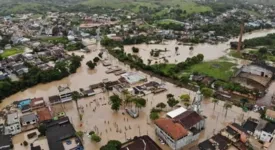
(188,118)
(140,143)
(12,118)
(37,101)
(176,112)
(174,130)
(28,117)
(64,89)
(44,114)
(66,133)
(269,127)
(6,142)
(250,126)
(270,113)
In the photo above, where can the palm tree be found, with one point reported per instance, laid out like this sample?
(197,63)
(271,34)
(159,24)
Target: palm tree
(215,101)
(244,101)
(227,105)
(75,97)
(139,102)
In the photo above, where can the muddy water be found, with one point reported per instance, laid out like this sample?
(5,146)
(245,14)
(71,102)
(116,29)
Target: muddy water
(209,51)
(122,127)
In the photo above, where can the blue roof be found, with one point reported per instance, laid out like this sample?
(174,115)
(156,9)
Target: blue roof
(24,103)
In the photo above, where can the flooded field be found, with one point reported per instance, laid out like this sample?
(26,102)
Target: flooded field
(209,51)
(116,125)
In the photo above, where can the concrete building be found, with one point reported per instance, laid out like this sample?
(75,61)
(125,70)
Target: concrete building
(270,115)
(181,130)
(12,124)
(65,93)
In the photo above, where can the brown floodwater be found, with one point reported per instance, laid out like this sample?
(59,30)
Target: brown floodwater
(114,125)
(209,51)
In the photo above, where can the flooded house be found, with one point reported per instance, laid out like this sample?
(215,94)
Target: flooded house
(28,119)
(65,138)
(37,103)
(132,78)
(265,131)
(270,115)
(233,136)
(12,125)
(140,143)
(180,129)
(5,140)
(55,99)
(65,93)
(44,115)
(254,76)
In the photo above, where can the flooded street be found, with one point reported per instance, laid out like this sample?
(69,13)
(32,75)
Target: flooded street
(115,125)
(209,51)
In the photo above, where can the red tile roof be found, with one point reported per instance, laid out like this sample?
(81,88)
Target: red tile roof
(175,130)
(44,114)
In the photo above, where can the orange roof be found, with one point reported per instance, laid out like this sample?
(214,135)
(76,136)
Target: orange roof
(175,130)
(44,114)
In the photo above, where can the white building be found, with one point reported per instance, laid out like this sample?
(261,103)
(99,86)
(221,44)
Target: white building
(65,93)
(265,131)
(181,130)
(12,124)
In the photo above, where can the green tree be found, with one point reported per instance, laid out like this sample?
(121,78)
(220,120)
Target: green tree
(95,138)
(115,102)
(169,96)
(96,59)
(172,102)
(42,129)
(263,50)
(161,105)
(176,49)
(200,57)
(186,104)
(80,134)
(139,102)
(207,92)
(112,145)
(244,101)
(227,105)
(215,101)
(90,64)
(135,50)
(185,98)
(154,115)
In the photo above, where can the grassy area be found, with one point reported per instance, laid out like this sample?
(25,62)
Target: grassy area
(11,52)
(168,21)
(217,69)
(188,5)
(164,67)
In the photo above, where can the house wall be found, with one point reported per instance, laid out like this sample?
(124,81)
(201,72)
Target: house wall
(13,129)
(266,137)
(257,70)
(200,125)
(65,97)
(257,134)
(179,144)
(29,122)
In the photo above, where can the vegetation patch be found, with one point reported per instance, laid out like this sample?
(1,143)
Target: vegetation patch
(217,69)
(10,52)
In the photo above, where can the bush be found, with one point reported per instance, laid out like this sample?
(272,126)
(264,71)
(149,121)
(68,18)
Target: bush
(91,65)
(154,115)
(96,59)
(91,132)
(135,50)
(95,138)
(25,143)
(207,92)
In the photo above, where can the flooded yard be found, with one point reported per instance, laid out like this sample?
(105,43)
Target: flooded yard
(109,125)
